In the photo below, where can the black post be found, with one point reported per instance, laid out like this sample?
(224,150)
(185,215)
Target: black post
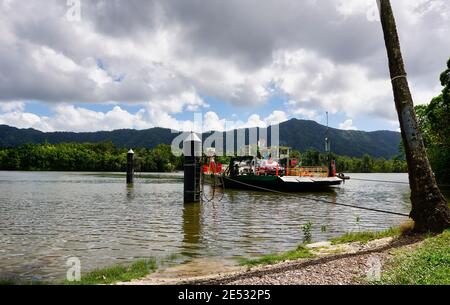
(328,149)
(130,167)
(192,149)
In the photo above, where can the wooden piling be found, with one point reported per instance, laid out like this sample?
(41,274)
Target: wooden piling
(130,167)
(192,149)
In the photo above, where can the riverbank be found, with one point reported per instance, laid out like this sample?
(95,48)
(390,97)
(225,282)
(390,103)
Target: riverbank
(351,266)
(394,259)
(386,257)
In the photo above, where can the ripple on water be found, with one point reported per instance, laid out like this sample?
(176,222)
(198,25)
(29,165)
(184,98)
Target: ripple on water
(46,218)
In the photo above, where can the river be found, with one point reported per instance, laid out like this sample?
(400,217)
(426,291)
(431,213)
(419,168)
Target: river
(47,217)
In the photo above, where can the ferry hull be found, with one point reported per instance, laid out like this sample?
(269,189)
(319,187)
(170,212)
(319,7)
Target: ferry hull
(281,184)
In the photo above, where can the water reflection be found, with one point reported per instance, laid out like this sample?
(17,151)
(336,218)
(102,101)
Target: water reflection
(130,192)
(192,215)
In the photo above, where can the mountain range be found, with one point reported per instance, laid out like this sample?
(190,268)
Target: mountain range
(298,134)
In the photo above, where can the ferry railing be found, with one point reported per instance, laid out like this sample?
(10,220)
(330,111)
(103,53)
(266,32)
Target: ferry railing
(308,171)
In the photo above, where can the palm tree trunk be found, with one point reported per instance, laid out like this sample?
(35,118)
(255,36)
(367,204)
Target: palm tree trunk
(430,210)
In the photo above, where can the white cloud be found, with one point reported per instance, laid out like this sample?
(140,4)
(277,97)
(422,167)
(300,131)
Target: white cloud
(255,120)
(71,118)
(188,100)
(12,106)
(165,55)
(327,86)
(66,117)
(276,117)
(305,113)
(347,125)
(48,59)
(25,120)
(352,7)
(211,121)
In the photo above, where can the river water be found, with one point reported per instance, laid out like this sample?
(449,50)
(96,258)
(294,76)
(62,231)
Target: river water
(47,217)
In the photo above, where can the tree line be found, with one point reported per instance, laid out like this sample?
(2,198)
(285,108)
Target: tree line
(106,156)
(103,156)
(344,164)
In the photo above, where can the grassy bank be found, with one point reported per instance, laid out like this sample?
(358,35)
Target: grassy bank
(429,264)
(304,252)
(300,252)
(365,237)
(119,273)
(105,276)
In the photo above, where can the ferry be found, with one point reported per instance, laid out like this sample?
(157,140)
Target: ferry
(281,174)
(272,169)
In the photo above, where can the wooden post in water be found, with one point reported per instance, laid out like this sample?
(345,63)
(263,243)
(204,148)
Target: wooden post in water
(192,150)
(130,167)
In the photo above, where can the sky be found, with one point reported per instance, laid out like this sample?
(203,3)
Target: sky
(90,65)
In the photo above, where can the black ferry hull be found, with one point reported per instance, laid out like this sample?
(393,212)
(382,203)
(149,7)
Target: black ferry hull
(281,184)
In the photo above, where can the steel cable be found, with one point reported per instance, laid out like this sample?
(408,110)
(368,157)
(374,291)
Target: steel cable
(318,199)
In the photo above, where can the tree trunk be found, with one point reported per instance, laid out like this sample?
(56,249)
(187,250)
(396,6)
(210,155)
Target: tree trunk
(430,210)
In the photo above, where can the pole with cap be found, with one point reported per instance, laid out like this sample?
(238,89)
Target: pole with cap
(130,167)
(192,150)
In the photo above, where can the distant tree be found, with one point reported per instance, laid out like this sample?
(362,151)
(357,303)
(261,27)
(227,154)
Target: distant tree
(295,154)
(434,121)
(311,157)
(12,160)
(367,164)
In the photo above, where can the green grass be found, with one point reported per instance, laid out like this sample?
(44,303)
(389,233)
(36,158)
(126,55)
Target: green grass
(427,265)
(118,273)
(105,276)
(365,237)
(300,252)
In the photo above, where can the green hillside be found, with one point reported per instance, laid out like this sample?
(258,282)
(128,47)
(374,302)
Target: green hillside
(299,134)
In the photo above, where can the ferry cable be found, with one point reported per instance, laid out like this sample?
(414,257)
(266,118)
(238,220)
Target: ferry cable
(203,196)
(383,181)
(320,200)
(395,182)
(217,180)
(213,186)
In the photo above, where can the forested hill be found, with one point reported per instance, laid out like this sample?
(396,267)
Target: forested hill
(301,135)
(298,134)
